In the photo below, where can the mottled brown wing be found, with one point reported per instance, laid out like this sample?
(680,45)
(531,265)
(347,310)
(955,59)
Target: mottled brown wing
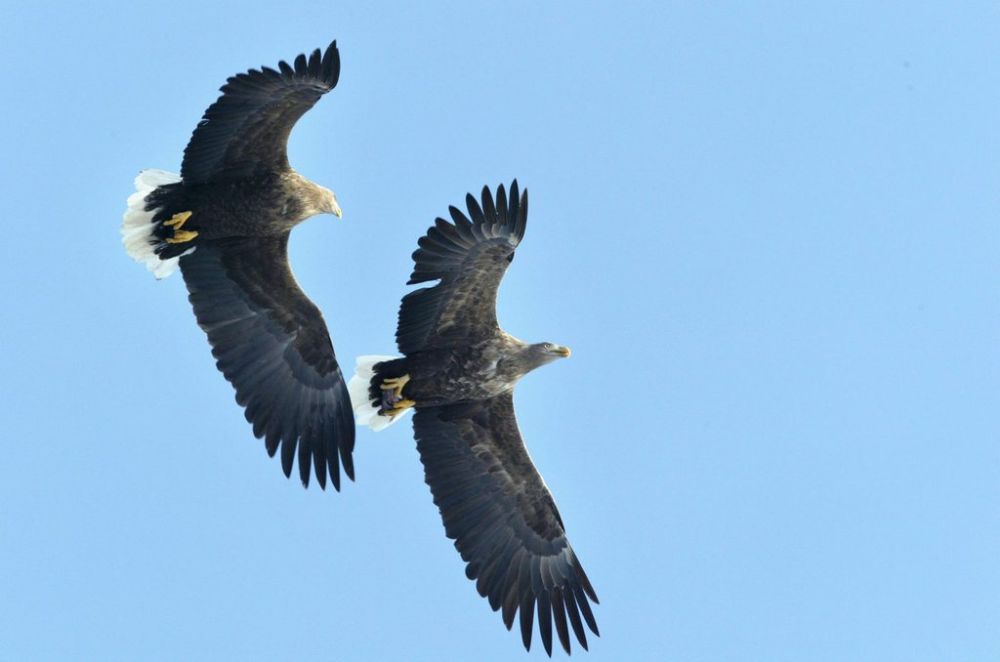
(245,132)
(270,342)
(502,518)
(470,259)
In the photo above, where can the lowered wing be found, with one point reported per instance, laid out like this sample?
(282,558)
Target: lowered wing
(496,508)
(271,343)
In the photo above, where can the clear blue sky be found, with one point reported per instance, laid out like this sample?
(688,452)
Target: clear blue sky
(769,233)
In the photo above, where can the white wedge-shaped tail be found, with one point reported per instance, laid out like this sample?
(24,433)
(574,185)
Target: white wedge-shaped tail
(364,412)
(138,226)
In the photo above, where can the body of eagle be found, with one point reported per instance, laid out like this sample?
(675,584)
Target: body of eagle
(225,221)
(458,372)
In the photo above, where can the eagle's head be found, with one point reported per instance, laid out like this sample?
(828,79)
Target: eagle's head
(541,353)
(327,203)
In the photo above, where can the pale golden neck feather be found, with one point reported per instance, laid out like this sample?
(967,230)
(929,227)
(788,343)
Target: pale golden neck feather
(315,199)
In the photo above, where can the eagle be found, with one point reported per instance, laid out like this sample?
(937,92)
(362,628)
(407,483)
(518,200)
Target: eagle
(458,374)
(225,221)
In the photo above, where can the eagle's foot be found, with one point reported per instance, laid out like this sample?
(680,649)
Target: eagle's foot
(178,220)
(182,236)
(395,384)
(393,402)
(396,408)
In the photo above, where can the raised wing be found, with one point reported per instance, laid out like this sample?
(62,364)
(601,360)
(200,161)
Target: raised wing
(271,343)
(502,518)
(470,258)
(245,132)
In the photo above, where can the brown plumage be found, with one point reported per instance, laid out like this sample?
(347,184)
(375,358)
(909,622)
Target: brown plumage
(226,221)
(461,369)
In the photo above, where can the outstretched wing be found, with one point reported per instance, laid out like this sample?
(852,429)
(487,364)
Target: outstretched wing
(470,258)
(504,522)
(245,132)
(271,343)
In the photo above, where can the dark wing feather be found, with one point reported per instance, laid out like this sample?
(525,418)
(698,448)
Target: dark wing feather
(470,258)
(502,518)
(271,343)
(245,132)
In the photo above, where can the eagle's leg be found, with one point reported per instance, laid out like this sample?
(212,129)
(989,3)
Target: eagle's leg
(176,222)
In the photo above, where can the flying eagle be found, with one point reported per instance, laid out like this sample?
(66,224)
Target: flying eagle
(225,219)
(458,372)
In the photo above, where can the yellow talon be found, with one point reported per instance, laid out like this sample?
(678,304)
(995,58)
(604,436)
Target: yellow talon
(177,220)
(398,408)
(182,236)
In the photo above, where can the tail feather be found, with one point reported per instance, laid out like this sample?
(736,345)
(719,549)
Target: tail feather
(359,387)
(138,224)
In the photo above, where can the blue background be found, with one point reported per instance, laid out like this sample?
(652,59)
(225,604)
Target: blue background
(768,231)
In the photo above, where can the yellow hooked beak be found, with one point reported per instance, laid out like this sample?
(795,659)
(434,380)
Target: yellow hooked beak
(336,209)
(563,351)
